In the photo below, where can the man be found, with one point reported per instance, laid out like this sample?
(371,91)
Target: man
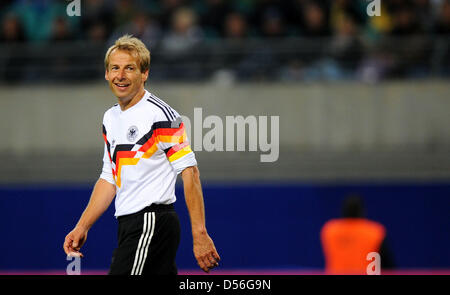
(346,241)
(145,148)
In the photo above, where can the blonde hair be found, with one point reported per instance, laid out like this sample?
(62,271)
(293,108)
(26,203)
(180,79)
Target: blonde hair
(134,46)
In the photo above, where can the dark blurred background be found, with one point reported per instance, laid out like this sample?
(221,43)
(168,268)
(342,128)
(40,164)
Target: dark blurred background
(292,40)
(363,104)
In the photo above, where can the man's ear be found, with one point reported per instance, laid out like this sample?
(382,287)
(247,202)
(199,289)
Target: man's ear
(106,75)
(145,75)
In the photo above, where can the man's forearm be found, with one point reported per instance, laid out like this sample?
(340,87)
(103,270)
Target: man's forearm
(101,197)
(204,250)
(194,199)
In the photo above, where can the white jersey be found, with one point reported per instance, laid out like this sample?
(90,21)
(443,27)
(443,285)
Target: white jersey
(145,148)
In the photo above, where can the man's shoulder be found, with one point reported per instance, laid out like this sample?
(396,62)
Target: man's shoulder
(154,97)
(162,110)
(111,111)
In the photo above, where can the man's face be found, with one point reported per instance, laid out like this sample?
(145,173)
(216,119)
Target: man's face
(124,75)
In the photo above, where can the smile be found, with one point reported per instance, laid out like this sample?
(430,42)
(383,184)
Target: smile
(121,85)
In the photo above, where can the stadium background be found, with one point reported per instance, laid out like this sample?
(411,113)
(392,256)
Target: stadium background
(363,104)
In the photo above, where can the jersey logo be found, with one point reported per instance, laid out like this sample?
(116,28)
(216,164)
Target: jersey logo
(132,133)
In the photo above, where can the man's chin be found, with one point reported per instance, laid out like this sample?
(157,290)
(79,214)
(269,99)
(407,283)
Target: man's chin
(121,95)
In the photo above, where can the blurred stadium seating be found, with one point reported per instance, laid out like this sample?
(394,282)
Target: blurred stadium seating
(266,40)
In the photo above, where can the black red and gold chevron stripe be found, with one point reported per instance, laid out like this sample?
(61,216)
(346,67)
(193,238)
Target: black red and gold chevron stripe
(161,132)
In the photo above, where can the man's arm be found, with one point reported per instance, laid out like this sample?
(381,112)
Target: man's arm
(204,249)
(101,197)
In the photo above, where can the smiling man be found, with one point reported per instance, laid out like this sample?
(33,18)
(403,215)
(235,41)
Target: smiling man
(146,147)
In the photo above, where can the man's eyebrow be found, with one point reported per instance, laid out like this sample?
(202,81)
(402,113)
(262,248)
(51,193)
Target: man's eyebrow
(127,65)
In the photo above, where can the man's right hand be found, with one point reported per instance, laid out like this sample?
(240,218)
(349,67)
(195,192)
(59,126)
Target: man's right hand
(101,197)
(74,241)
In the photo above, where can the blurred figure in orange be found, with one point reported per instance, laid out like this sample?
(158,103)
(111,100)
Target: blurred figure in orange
(347,241)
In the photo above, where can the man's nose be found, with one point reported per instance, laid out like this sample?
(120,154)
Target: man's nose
(121,74)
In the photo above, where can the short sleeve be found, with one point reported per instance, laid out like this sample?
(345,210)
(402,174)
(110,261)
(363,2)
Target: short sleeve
(106,173)
(174,142)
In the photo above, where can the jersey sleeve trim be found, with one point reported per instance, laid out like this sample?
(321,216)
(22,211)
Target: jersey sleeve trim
(107,170)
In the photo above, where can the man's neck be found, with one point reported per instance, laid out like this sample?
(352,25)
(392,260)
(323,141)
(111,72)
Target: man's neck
(126,104)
